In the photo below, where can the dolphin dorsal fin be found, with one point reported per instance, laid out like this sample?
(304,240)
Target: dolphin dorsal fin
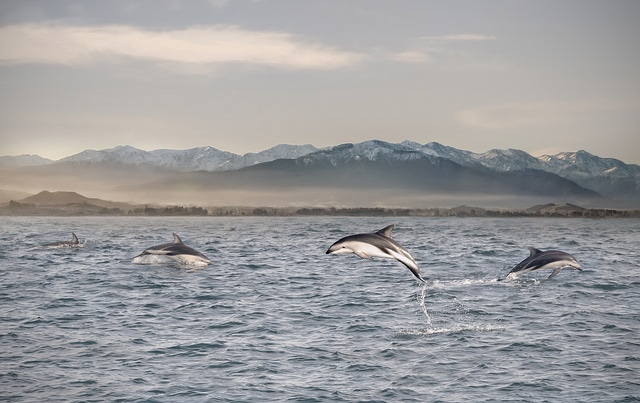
(74,238)
(534,251)
(176,238)
(386,231)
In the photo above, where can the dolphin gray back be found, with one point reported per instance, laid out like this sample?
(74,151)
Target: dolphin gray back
(539,259)
(177,247)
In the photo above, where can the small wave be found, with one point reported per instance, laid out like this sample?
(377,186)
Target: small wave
(63,247)
(462,282)
(453,329)
(521,282)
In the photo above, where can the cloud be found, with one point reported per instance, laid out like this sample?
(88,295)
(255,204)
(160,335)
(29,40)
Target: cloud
(431,49)
(460,37)
(412,56)
(83,45)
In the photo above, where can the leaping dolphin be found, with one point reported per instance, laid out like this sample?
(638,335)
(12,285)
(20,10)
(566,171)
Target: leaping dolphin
(377,244)
(174,252)
(551,259)
(73,243)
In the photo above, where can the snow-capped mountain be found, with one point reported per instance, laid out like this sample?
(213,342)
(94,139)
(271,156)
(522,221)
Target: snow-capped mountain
(573,165)
(509,160)
(462,157)
(376,172)
(372,150)
(117,155)
(21,161)
(193,159)
(583,165)
(281,151)
(607,176)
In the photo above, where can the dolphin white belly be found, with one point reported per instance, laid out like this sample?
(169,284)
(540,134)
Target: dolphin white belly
(175,252)
(189,260)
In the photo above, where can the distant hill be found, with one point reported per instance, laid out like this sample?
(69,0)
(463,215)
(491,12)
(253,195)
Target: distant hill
(46,198)
(66,203)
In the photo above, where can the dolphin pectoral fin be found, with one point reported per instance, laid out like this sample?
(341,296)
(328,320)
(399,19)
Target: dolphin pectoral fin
(362,255)
(555,273)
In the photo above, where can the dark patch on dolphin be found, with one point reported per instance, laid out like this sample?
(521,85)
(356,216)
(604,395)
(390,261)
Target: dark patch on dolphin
(376,244)
(555,260)
(175,251)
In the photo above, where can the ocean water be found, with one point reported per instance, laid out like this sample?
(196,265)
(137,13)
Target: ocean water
(276,319)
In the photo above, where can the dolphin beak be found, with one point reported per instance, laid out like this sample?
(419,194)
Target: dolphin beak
(332,249)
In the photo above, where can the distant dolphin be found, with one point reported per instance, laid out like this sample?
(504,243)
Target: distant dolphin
(377,244)
(174,252)
(73,243)
(537,260)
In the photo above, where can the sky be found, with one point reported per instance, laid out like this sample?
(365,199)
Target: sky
(541,76)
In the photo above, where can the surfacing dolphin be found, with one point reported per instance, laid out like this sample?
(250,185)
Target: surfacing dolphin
(173,252)
(377,244)
(73,243)
(537,260)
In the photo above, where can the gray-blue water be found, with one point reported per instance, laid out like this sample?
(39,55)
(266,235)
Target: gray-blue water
(275,319)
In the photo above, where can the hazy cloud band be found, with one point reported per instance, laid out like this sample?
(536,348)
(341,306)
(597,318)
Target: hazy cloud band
(80,45)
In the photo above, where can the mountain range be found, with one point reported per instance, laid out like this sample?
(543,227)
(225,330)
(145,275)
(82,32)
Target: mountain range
(368,173)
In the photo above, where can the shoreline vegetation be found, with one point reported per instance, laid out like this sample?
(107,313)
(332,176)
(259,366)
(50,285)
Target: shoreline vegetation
(16,208)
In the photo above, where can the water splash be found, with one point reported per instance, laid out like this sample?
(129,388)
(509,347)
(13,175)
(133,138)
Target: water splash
(475,328)
(445,284)
(421,299)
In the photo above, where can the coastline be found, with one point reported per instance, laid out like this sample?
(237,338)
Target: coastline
(86,209)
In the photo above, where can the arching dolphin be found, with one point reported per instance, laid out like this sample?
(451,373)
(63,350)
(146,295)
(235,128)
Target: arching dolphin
(73,243)
(174,252)
(377,244)
(551,259)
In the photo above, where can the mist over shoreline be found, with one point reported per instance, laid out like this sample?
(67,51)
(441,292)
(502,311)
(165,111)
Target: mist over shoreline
(73,204)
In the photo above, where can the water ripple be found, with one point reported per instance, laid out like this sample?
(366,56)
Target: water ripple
(275,319)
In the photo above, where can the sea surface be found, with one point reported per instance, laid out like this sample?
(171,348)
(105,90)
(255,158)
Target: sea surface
(274,318)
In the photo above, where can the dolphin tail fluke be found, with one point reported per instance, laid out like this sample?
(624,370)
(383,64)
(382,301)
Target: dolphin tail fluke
(416,273)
